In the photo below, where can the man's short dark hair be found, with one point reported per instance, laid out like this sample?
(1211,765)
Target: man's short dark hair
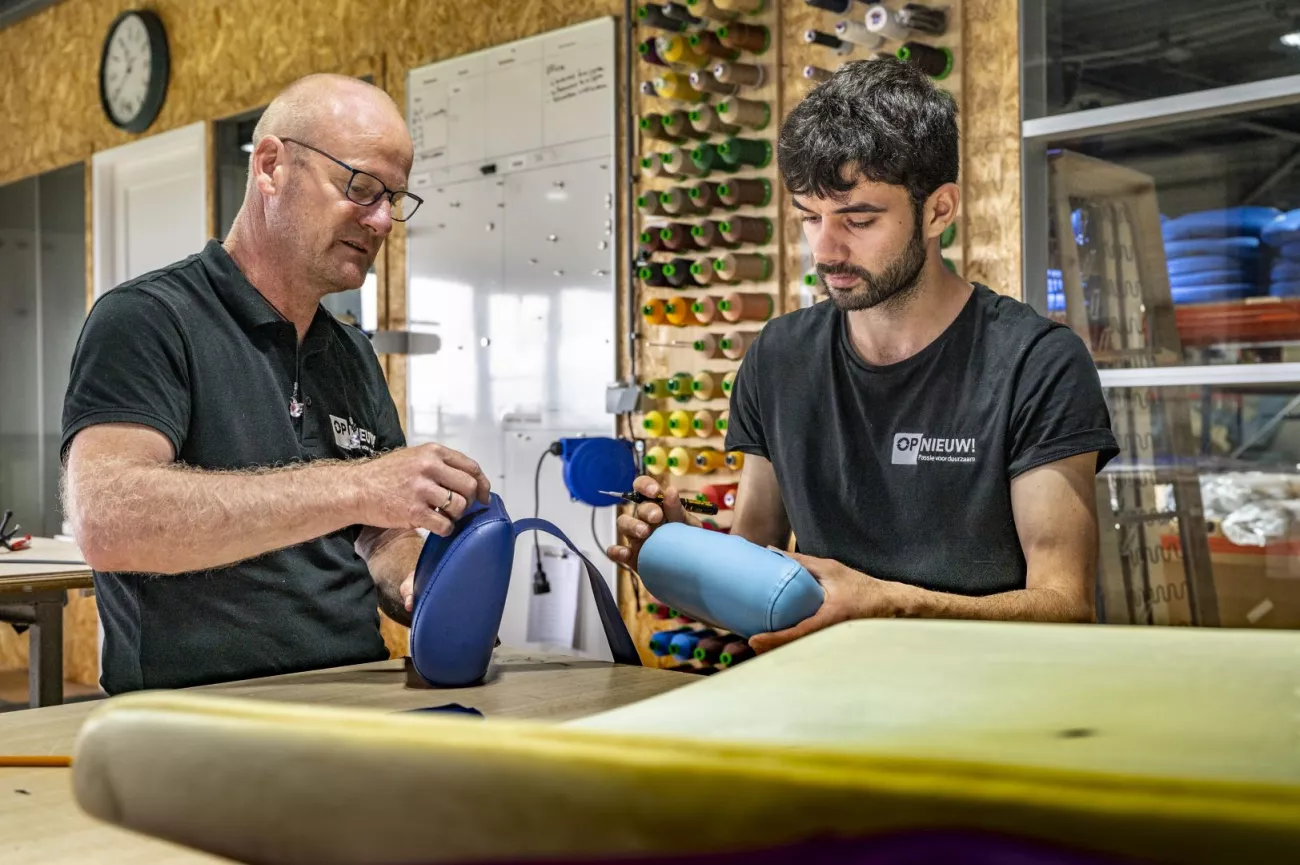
(880,120)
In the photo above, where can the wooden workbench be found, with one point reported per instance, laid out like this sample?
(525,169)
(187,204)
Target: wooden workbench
(40,822)
(34,595)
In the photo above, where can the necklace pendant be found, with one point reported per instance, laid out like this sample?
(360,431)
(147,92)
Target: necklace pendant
(295,408)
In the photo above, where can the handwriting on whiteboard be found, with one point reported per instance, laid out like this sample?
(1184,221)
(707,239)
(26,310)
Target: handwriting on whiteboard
(565,84)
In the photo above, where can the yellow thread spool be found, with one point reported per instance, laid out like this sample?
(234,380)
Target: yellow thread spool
(678,50)
(681,461)
(656,388)
(678,314)
(653,424)
(656,461)
(735,460)
(679,423)
(680,384)
(721,423)
(728,382)
(653,312)
(706,385)
(709,460)
(674,85)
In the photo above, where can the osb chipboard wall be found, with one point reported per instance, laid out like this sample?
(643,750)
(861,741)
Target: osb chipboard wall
(991,145)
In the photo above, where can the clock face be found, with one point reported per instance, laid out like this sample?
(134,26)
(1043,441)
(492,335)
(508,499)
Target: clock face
(133,71)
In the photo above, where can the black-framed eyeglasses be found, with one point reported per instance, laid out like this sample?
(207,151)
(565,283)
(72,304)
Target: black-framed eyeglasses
(365,189)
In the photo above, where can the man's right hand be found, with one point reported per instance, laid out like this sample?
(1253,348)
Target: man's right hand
(648,516)
(423,487)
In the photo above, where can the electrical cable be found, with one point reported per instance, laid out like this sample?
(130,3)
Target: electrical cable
(540,585)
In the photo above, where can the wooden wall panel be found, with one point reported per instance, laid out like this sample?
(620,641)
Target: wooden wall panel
(991,146)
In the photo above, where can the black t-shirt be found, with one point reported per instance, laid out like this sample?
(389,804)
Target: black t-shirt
(195,352)
(904,471)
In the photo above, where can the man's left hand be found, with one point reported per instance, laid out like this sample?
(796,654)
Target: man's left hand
(850,594)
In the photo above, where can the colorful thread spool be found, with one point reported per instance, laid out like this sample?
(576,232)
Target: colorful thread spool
(745,7)
(744,266)
(708,346)
(677,50)
(816,73)
(656,609)
(650,204)
(652,15)
(754,38)
(705,81)
(679,387)
(746,112)
(702,272)
(707,43)
(706,119)
(660,639)
(708,234)
(703,423)
(857,33)
(881,20)
(676,235)
(705,194)
(678,162)
(924,19)
(650,52)
(735,344)
(655,388)
(935,62)
(828,41)
(682,645)
(756,192)
(743,74)
(735,653)
(705,310)
(754,152)
(679,425)
(677,87)
(709,650)
(721,424)
(678,272)
(709,460)
(654,424)
(681,461)
(747,307)
(678,124)
(653,312)
(652,274)
(709,9)
(722,495)
(676,201)
(705,158)
(735,460)
(707,385)
(677,312)
(656,461)
(748,229)
(649,241)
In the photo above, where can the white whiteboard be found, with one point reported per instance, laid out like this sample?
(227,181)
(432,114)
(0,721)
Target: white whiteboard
(510,261)
(541,92)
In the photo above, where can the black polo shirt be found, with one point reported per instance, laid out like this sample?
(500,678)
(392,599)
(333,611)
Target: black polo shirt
(195,352)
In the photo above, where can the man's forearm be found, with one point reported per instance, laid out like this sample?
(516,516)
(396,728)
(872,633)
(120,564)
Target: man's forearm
(171,519)
(1024,605)
(391,557)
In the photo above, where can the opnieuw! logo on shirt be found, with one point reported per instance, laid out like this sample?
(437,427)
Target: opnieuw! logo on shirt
(913,448)
(351,437)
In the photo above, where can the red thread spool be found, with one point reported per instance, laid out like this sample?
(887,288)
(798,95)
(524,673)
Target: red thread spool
(722,495)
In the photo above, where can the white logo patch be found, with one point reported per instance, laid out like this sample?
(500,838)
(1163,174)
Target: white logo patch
(351,437)
(913,448)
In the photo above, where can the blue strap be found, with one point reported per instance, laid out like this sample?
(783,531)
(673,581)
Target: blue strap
(620,641)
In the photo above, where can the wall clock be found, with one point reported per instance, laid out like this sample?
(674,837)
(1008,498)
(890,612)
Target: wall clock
(133,70)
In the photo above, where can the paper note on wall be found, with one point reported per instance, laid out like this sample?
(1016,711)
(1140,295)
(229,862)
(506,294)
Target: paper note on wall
(553,615)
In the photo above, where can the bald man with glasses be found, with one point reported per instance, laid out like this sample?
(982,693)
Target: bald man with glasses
(235,472)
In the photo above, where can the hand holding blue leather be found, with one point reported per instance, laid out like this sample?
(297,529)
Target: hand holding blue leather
(727,581)
(460,595)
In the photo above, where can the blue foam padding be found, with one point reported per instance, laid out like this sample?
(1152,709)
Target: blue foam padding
(1215,293)
(1230,246)
(1229,222)
(1290,250)
(726,581)
(1284,289)
(1283,231)
(1285,271)
(1209,277)
(1206,263)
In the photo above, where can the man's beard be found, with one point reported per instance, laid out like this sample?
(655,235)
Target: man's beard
(895,283)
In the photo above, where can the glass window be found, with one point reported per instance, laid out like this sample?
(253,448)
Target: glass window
(1184,240)
(1200,514)
(1083,54)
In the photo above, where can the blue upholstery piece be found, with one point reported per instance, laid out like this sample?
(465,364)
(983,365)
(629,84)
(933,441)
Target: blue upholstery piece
(1230,246)
(1283,231)
(725,580)
(1229,222)
(1205,263)
(1215,293)
(1285,289)
(460,590)
(1209,277)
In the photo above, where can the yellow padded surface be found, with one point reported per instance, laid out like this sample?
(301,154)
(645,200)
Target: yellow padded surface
(866,728)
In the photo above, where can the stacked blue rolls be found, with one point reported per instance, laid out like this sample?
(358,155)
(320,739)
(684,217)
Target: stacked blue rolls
(1217,255)
(1282,236)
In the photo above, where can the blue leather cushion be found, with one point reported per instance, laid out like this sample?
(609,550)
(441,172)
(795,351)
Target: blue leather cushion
(1283,231)
(1285,289)
(1204,263)
(1285,270)
(726,581)
(1230,246)
(1209,277)
(1290,250)
(460,590)
(1215,293)
(1229,222)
